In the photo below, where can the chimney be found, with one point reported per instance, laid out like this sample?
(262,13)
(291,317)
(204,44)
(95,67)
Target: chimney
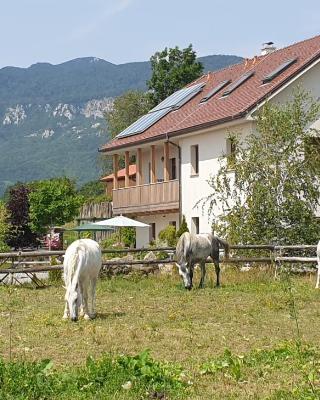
(268,48)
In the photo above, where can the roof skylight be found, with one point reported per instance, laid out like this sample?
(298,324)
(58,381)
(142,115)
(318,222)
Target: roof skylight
(238,83)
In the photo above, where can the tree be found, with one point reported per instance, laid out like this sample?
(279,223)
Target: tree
(183,227)
(4,226)
(20,234)
(127,108)
(172,69)
(93,191)
(274,191)
(53,202)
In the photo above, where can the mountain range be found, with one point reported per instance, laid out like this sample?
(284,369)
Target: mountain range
(51,116)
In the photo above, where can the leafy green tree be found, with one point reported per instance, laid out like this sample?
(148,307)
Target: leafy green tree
(172,69)
(4,226)
(183,227)
(127,108)
(93,191)
(274,191)
(53,202)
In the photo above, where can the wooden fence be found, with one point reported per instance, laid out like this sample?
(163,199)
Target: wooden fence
(93,212)
(19,261)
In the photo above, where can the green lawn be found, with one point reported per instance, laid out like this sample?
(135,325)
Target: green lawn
(251,316)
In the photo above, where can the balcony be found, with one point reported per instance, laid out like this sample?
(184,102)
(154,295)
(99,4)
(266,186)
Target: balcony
(144,199)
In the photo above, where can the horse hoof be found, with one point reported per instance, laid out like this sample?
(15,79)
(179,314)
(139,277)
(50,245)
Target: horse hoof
(65,317)
(86,317)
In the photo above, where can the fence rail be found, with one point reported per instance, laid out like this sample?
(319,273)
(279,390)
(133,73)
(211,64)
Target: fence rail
(19,265)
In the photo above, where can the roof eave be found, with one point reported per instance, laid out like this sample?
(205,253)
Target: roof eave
(175,133)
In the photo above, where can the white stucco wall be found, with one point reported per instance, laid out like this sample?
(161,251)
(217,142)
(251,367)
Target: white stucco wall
(194,188)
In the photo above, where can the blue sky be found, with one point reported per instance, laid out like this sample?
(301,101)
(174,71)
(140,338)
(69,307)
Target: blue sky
(132,30)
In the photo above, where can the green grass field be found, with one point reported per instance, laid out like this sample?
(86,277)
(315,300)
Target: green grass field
(236,342)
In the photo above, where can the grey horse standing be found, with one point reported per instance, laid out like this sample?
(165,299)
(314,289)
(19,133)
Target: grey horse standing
(194,249)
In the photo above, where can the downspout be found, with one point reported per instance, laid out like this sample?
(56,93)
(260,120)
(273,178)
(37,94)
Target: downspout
(179,180)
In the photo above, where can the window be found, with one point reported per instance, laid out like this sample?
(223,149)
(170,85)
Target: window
(173,169)
(173,223)
(215,90)
(238,83)
(231,152)
(195,225)
(278,70)
(195,160)
(152,231)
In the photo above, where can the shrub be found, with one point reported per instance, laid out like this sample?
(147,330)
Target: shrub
(183,227)
(55,277)
(168,235)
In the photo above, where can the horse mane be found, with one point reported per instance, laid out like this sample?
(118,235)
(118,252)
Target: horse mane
(183,246)
(71,263)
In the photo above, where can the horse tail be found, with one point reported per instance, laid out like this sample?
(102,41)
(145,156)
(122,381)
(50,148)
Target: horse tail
(225,245)
(183,247)
(72,268)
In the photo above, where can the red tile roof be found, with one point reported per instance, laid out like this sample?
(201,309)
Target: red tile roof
(195,115)
(121,173)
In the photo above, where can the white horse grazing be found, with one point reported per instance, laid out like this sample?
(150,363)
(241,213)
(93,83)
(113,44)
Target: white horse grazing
(193,249)
(318,257)
(81,265)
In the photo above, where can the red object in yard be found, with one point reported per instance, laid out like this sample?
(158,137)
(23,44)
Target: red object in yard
(53,241)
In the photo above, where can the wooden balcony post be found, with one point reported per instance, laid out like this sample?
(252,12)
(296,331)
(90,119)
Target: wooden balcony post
(115,170)
(139,167)
(166,174)
(126,176)
(153,165)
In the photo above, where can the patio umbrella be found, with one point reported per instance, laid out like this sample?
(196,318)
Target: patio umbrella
(91,227)
(120,221)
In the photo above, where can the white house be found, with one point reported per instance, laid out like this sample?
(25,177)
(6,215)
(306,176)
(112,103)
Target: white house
(178,143)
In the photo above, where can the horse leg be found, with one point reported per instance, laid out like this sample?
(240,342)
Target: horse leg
(66,311)
(84,296)
(203,273)
(318,275)
(81,313)
(217,268)
(191,269)
(93,298)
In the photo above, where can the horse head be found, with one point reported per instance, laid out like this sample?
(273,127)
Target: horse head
(74,300)
(185,274)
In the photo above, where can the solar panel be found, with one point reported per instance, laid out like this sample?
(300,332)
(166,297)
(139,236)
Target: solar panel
(177,99)
(237,83)
(278,70)
(215,90)
(174,101)
(143,123)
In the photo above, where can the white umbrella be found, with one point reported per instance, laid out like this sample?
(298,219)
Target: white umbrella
(121,221)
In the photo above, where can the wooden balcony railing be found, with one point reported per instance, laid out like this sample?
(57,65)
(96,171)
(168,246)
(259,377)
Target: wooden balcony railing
(161,196)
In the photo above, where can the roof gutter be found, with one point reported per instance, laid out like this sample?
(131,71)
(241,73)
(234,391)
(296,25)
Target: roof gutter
(176,133)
